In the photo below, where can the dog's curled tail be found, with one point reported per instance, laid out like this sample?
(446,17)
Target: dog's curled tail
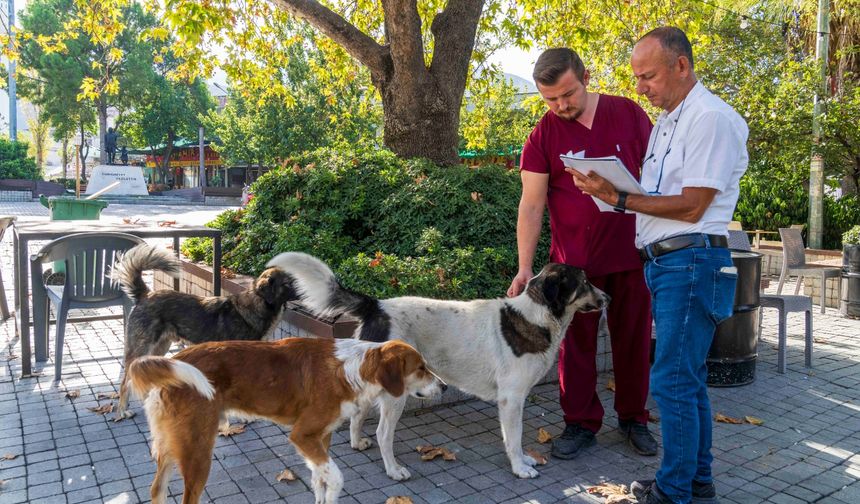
(149,372)
(128,269)
(318,287)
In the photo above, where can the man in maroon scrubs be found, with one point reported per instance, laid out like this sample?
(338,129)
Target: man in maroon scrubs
(602,243)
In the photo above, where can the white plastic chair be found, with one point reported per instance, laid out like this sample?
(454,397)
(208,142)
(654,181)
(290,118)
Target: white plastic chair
(784,304)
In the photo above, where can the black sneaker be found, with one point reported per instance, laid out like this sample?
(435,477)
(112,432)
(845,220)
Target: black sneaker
(647,492)
(572,441)
(638,437)
(703,493)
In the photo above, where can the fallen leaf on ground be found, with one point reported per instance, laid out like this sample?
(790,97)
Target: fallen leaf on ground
(166,223)
(112,395)
(652,418)
(399,499)
(286,474)
(610,385)
(543,436)
(719,417)
(430,452)
(226,273)
(10,456)
(615,494)
(103,409)
(819,340)
(232,430)
(73,394)
(539,457)
(753,420)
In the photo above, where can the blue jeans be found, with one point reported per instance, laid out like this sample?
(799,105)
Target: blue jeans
(690,295)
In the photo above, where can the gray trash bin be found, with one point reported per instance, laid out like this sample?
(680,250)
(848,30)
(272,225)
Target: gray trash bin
(849,304)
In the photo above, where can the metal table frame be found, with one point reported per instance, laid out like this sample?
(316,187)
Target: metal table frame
(26,232)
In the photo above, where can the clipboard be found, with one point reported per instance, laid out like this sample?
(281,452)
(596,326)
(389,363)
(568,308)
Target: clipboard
(612,169)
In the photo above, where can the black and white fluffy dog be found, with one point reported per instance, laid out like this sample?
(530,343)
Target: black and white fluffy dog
(163,317)
(495,349)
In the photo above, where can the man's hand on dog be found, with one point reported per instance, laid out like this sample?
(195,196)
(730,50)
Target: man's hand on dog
(519,283)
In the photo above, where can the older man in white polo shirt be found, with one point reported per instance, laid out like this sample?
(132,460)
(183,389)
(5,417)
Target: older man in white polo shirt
(696,157)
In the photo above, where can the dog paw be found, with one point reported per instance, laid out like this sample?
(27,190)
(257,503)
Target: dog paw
(524,471)
(529,460)
(362,444)
(398,473)
(123,415)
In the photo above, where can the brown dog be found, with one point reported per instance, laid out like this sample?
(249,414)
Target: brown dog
(164,317)
(308,383)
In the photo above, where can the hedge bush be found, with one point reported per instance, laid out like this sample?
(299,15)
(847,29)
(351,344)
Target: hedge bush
(14,163)
(386,226)
(771,198)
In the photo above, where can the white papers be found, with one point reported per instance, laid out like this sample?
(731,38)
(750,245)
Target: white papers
(611,168)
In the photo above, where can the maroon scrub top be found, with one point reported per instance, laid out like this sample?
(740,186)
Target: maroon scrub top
(583,236)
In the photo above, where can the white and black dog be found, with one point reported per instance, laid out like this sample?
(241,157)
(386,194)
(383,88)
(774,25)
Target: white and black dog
(495,349)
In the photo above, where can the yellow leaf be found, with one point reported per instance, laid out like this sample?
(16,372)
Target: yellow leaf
(115,53)
(539,457)
(73,394)
(103,409)
(285,475)
(610,385)
(9,456)
(616,494)
(399,499)
(232,430)
(753,420)
(429,452)
(719,417)
(543,436)
(112,395)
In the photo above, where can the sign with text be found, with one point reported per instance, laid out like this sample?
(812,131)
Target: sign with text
(130,178)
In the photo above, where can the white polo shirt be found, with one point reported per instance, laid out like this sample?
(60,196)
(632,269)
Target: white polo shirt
(702,143)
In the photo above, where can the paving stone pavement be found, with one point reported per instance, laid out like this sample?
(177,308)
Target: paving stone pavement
(805,451)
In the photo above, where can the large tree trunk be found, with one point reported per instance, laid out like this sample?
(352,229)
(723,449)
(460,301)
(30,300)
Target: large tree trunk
(101,106)
(421,104)
(421,122)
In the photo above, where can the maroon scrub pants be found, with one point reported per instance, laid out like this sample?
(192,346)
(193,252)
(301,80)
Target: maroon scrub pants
(629,318)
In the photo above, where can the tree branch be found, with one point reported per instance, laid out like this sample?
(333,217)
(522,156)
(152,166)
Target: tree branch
(454,30)
(358,44)
(403,32)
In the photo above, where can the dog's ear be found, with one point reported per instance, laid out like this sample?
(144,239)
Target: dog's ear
(555,293)
(391,373)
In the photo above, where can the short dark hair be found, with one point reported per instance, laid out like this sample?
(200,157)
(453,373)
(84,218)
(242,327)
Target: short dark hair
(673,40)
(552,63)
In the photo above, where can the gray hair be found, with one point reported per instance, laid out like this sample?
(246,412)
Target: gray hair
(673,40)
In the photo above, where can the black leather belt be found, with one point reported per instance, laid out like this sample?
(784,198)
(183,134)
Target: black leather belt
(697,240)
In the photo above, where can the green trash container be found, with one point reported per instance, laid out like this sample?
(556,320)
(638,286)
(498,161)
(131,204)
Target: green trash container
(71,208)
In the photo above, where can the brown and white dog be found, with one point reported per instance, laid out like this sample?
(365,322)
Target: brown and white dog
(307,383)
